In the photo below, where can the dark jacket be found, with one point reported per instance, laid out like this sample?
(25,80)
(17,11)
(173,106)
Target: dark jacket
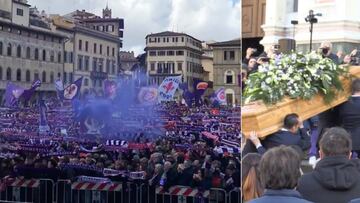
(280,196)
(281,137)
(334,179)
(349,114)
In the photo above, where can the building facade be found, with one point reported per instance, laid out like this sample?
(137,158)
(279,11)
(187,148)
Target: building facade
(207,61)
(227,61)
(92,51)
(29,50)
(173,54)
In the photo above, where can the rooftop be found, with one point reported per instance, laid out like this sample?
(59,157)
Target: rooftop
(169,34)
(234,42)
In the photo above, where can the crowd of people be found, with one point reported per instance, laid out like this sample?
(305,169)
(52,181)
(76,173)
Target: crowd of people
(316,160)
(200,148)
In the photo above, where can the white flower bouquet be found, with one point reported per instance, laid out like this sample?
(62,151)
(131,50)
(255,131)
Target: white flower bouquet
(298,76)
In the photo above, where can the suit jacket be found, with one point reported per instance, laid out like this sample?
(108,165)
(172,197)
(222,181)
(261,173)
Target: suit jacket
(287,138)
(349,114)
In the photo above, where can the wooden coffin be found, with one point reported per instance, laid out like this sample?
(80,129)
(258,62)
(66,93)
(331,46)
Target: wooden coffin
(267,119)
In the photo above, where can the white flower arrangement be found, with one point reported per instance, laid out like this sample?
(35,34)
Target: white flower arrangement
(295,75)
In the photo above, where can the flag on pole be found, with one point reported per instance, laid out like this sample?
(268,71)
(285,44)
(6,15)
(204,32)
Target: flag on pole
(148,95)
(12,94)
(73,91)
(168,88)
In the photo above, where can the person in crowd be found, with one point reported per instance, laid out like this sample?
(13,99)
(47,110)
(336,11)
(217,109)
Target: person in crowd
(293,133)
(250,52)
(251,185)
(335,177)
(279,173)
(325,50)
(349,116)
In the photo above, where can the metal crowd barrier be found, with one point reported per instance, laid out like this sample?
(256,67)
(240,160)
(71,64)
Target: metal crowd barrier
(65,191)
(28,190)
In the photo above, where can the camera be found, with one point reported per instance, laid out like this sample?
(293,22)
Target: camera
(324,50)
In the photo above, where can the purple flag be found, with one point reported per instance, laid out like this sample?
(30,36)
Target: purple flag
(199,89)
(73,91)
(12,94)
(29,92)
(110,89)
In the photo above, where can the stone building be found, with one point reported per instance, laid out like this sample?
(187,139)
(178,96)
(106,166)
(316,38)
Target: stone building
(92,50)
(29,50)
(207,61)
(227,61)
(173,54)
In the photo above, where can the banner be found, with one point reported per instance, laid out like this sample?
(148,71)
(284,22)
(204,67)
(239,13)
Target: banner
(43,124)
(199,89)
(148,95)
(73,91)
(29,92)
(12,94)
(220,95)
(168,88)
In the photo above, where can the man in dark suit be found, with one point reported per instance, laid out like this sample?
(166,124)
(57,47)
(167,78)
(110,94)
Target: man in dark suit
(293,134)
(349,114)
(335,179)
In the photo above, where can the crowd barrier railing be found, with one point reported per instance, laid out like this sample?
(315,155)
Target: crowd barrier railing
(64,191)
(28,190)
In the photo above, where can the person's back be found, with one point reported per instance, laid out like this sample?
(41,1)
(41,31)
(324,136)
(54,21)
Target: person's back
(349,114)
(335,177)
(279,173)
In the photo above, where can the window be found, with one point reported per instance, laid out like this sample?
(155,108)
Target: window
(59,57)
(225,55)
(1,48)
(94,64)
(86,82)
(27,76)
(113,51)
(179,66)
(107,66)
(65,57)
(167,39)
(173,39)
(176,39)
(71,57)
(80,59)
(28,52)
(18,75)
(94,48)
(86,63)
(170,53)
(52,77)
(52,57)
(152,53)
(1,73)
(65,77)
(71,77)
(9,50)
(100,48)
(36,55)
(44,76)
(182,39)
(107,50)
(36,75)
(8,74)
(152,66)
(164,39)
(18,51)
(229,77)
(179,53)
(86,46)
(19,12)
(232,55)
(59,75)
(44,55)
(80,44)
(161,53)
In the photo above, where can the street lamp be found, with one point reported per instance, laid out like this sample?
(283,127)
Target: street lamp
(312,19)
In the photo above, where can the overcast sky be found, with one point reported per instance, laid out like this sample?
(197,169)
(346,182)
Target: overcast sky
(217,20)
